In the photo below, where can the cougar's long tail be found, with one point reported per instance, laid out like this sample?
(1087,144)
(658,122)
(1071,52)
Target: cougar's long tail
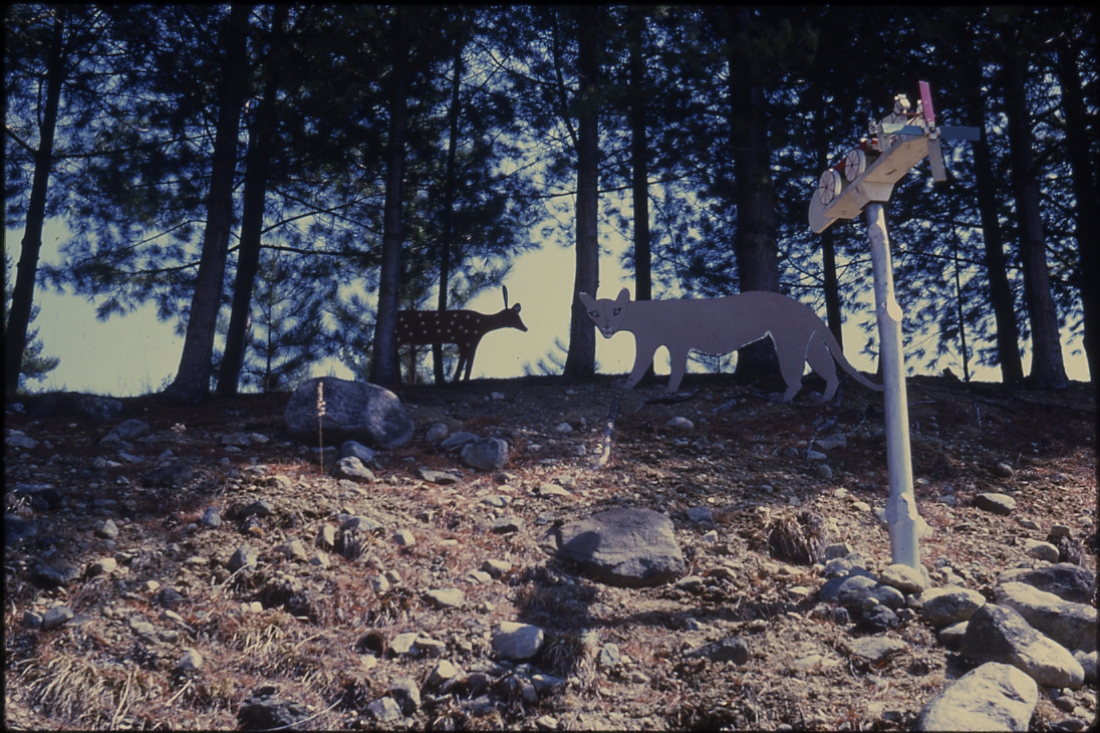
(838,354)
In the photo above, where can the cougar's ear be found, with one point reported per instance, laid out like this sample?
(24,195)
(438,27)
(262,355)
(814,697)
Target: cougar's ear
(589,303)
(624,296)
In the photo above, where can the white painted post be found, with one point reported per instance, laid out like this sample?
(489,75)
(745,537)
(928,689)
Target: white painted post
(901,507)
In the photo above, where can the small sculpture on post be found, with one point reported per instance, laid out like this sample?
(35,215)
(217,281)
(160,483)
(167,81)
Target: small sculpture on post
(464,328)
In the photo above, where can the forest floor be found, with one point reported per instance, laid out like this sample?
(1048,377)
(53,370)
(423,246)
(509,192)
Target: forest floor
(328,647)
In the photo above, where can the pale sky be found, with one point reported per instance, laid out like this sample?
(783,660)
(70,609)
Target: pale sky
(134,354)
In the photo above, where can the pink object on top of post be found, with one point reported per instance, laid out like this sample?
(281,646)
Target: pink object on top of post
(926,103)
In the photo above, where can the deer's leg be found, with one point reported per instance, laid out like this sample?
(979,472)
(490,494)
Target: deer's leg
(471,351)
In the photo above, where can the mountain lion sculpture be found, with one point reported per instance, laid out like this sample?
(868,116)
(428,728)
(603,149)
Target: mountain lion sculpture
(721,325)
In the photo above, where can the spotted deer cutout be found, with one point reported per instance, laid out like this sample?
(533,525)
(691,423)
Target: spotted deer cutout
(463,328)
(721,325)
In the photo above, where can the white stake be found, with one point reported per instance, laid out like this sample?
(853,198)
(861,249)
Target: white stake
(901,507)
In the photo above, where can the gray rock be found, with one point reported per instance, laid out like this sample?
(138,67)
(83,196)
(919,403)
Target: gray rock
(1067,581)
(20,441)
(212,518)
(444,672)
(947,606)
(352,469)
(264,710)
(700,514)
(951,636)
(516,642)
(55,617)
(357,411)
(813,455)
(876,649)
(905,578)
(406,694)
(839,440)
(170,476)
(1088,663)
(385,710)
(352,449)
(622,547)
(169,598)
(404,538)
(437,433)
(855,589)
(441,478)
(329,453)
(996,503)
(993,697)
(830,590)
(680,423)
(260,507)
(32,620)
(446,598)
(107,529)
(237,439)
(838,550)
(496,568)
(1041,550)
(457,440)
(878,618)
(245,556)
(404,644)
(887,596)
(361,524)
(485,454)
(190,661)
(52,576)
(999,634)
(731,649)
(506,525)
(1073,625)
(131,429)
(102,566)
(549,489)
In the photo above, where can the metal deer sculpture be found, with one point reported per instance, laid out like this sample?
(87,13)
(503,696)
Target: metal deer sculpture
(463,328)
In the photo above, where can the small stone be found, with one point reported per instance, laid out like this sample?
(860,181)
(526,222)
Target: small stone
(32,620)
(437,433)
(1003,470)
(293,550)
(507,525)
(55,617)
(564,427)
(861,506)
(406,694)
(103,566)
(443,672)
(211,517)
(404,644)
(1030,524)
(320,559)
(496,568)
(190,661)
(876,649)
(385,710)
(731,649)
(680,423)
(548,489)
(700,515)
(260,508)
(107,529)
(995,503)
(904,578)
(546,722)
(404,538)
(517,642)
(813,455)
(446,597)
(245,556)
(609,656)
(326,538)
(1041,550)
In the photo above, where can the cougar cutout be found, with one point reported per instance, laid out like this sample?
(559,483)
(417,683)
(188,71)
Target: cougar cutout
(721,325)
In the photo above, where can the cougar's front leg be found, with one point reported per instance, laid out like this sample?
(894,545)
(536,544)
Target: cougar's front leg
(643,357)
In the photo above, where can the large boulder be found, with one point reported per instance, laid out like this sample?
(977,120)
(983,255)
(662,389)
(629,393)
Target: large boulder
(630,548)
(1073,625)
(356,411)
(991,697)
(1067,581)
(999,634)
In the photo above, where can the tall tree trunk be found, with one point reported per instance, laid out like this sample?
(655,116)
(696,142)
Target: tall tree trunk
(754,246)
(257,165)
(1087,210)
(1047,368)
(448,204)
(192,383)
(639,157)
(22,302)
(581,358)
(385,368)
(1000,293)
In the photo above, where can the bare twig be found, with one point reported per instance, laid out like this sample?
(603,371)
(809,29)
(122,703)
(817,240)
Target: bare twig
(604,451)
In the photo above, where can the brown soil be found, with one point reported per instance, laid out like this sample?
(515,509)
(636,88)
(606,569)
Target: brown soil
(95,672)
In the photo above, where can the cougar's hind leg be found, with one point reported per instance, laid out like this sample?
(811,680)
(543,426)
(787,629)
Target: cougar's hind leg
(792,363)
(821,361)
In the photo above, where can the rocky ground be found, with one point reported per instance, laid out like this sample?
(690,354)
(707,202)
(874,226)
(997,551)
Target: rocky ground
(204,573)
